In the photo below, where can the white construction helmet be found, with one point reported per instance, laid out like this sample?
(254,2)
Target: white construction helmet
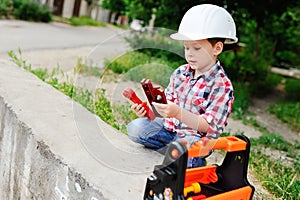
(206,21)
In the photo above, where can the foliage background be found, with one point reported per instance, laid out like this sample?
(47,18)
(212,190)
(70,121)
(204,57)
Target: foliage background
(269,29)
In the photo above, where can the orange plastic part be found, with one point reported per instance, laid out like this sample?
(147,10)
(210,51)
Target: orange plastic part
(229,144)
(198,197)
(204,175)
(243,193)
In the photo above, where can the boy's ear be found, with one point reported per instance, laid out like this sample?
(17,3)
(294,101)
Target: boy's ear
(218,48)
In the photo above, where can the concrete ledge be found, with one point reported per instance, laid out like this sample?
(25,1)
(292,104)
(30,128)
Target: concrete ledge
(53,148)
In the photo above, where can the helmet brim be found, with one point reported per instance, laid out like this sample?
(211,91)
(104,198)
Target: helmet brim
(182,37)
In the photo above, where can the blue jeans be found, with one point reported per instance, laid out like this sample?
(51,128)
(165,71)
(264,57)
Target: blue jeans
(149,133)
(153,135)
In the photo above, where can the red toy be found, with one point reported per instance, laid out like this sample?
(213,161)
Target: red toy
(154,94)
(130,94)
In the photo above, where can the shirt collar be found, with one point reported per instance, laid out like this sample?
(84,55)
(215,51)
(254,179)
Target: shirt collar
(208,75)
(212,72)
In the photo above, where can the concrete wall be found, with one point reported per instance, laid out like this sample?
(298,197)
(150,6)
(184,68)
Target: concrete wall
(68,8)
(83,8)
(53,148)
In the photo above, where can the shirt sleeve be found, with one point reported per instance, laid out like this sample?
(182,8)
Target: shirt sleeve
(221,101)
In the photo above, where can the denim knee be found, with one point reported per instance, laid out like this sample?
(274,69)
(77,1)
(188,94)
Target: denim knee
(135,128)
(143,131)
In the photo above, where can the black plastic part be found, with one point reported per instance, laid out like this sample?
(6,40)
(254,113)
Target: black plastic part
(232,174)
(168,179)
(170,176)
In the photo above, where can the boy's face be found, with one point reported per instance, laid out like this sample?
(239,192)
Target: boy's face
(200,54)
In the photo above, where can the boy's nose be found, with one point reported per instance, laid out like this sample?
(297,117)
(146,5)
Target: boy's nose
(189,52)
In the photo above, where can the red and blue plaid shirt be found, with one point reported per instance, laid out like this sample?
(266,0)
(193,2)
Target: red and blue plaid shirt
(209,95)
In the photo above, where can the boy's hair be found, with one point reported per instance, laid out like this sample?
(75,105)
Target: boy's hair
(214,41)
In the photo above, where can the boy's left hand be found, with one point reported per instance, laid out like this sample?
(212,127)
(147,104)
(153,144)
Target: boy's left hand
(167,110)
(204,141)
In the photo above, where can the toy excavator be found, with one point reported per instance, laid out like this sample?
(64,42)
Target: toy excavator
(173,181)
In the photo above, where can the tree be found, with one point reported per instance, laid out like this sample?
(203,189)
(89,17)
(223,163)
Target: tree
(5,7)
(91,5)
(115,6)
(270,30)
(142,9)
(287,48)
(169,13)
(263,26)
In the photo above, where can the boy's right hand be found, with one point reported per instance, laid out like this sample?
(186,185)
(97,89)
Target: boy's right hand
(139,109)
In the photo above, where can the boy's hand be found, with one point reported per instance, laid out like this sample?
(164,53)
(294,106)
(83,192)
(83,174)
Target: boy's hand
(139,110)
(167,110)
(204,141)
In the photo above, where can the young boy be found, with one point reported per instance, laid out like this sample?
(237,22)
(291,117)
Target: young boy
(200,95)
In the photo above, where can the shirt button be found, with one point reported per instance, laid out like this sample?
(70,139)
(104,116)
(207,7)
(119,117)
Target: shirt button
(192,82)
(176,123)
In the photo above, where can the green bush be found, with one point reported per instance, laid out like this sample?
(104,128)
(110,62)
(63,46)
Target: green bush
(158,73)
(127,61)
(135,66)
(5,7)
(272,80)
(31,11)
(241,99)
(262,86)
(292,87)
(158,44)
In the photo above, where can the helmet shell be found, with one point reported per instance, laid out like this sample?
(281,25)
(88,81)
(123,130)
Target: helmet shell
(206,21)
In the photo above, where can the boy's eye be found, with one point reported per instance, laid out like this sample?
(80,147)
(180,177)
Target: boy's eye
(194,48)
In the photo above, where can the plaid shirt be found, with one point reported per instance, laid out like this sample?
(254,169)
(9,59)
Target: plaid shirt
(209,95)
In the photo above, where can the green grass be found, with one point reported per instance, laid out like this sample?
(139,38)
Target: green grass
(88,69)
(288,113)
(85,21)
(280,180)
(275,141)
(124,115)
(93,101)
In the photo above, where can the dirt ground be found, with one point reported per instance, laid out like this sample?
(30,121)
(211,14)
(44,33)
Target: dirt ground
(66,59)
